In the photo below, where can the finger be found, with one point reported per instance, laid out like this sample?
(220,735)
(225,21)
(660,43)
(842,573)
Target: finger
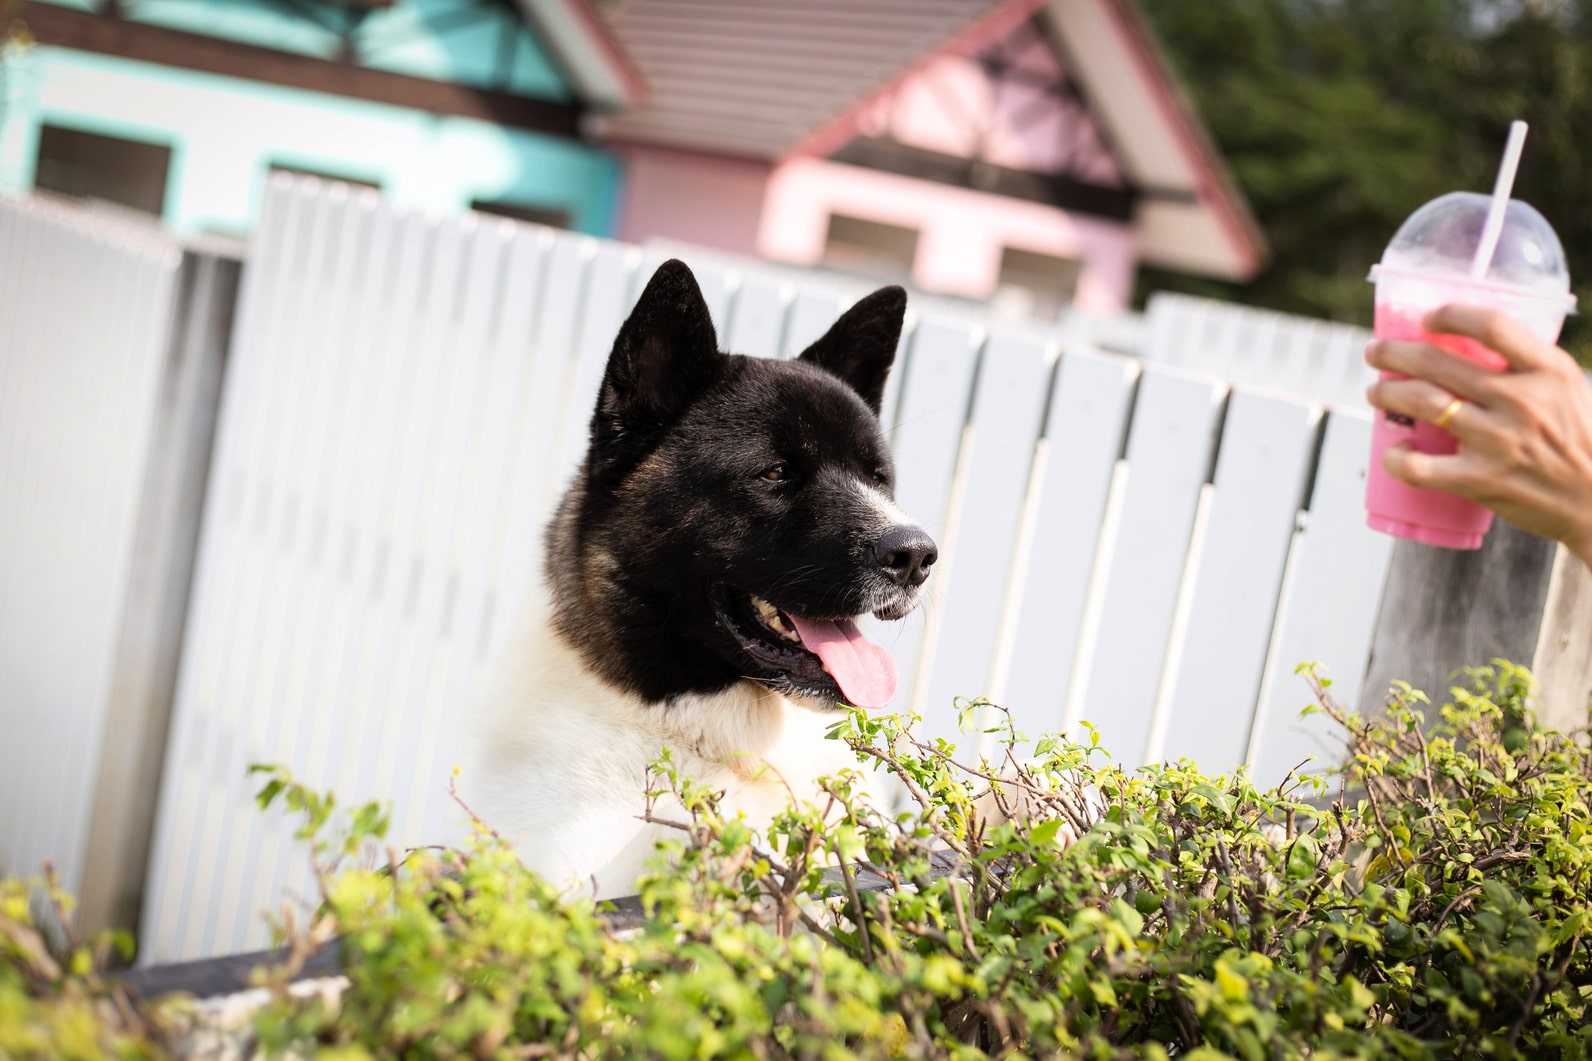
(1420,400)
(1497,331)
(1425,361)
(1456,473)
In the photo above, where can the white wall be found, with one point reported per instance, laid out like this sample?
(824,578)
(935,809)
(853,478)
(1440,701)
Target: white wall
(961,231)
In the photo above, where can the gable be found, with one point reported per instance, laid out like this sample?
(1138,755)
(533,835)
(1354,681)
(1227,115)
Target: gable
(1009,103)
(1001,116)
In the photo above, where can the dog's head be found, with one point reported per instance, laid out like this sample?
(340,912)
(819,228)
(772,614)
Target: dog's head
(735,514)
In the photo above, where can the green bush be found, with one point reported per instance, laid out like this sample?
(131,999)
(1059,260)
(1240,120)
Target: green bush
(1439,907)
(54,1002)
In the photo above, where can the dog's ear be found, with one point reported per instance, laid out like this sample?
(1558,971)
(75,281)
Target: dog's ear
(860,347)
(665,353)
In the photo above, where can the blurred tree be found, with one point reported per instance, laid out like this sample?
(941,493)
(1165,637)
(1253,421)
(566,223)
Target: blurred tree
(1339,117)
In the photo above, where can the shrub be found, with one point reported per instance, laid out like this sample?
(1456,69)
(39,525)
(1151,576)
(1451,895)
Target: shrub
(54,1002)
(1439,907)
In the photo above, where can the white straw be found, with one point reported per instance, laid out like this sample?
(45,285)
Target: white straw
(1500,201)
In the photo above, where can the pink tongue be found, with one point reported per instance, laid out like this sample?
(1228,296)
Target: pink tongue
(865,672)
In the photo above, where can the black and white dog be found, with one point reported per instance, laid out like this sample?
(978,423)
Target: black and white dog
(704,573)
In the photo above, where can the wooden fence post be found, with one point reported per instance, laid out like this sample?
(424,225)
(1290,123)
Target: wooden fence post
(1519,597)
(165,547)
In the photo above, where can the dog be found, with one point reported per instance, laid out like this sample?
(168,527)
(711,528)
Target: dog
(703,575)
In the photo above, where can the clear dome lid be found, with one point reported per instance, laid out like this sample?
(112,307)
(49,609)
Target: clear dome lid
(1440,240)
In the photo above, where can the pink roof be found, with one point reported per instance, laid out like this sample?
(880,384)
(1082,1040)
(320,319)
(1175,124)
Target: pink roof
(756,78)
(774,79)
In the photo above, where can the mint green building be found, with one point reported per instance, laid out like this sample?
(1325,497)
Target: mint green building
(183,108)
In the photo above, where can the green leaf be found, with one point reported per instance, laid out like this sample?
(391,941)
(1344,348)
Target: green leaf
(1044,834)
(1131,919)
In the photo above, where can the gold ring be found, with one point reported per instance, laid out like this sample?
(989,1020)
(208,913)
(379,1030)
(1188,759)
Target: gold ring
(1447,415)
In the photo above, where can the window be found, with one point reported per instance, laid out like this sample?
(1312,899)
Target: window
(90,166)
(872,248)
(536,215)
(1034,285)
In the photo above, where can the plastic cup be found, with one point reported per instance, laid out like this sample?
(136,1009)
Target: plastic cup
(1427,265)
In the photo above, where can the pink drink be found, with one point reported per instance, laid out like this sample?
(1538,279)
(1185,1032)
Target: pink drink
(1434,517)
(1427,265)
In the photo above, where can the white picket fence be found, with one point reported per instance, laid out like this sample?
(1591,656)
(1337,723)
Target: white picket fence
(86,307)
(1317,360)
(1281,353)
(1124,542)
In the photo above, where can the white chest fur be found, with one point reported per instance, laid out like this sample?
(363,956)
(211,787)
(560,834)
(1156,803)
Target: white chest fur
(557,760)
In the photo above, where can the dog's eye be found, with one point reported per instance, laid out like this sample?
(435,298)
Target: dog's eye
(881,477)
(776,474)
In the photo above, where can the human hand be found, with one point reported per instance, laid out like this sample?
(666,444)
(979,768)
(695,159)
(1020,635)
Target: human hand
(1524,433)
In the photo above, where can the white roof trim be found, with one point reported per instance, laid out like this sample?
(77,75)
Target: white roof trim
(1160,142)
(587,51)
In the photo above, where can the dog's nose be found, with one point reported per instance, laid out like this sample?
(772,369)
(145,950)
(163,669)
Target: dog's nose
(906,554)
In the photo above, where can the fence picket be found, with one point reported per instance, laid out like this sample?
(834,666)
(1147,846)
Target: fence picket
(1267,446)
(387,380)
(230,729)
(757,318)
(436,617)
(1314,360)
(612,287)
(1084,433)
(536,473)
(296,456)
(310,460)
(328,698)
(1007,406)
(512,371)
(348,455)
(77,395)
(1329,609)
(926,442)
(35,492)
(1170,444)
(27,486)
(217,576)
(812,311)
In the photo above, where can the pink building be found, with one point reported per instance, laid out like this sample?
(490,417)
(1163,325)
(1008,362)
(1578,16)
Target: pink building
(1032,152)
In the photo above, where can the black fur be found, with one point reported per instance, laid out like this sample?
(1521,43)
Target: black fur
(715,476)
(860,346)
